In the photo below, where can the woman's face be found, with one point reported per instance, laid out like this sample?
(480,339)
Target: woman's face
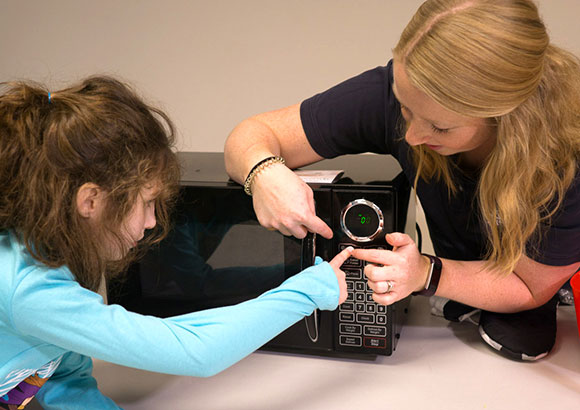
(439,129)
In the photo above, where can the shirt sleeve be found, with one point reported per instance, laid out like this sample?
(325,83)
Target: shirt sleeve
(50,305)
(358,115)
(72,387)
(559,243)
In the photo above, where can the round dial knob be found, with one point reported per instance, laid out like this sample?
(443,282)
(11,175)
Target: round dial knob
(362,220)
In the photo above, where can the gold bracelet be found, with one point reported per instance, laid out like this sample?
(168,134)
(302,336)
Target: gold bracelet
(265,163)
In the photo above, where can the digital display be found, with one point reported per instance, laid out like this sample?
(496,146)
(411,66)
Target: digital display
(361,220)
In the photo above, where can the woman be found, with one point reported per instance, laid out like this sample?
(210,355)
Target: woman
(483,114)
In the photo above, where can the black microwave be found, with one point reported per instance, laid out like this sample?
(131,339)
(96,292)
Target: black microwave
(217,254)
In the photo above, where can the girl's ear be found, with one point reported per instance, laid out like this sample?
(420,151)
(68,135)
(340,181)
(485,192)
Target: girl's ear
(90,201)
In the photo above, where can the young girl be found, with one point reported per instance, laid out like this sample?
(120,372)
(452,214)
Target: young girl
(84,172)
(483,114)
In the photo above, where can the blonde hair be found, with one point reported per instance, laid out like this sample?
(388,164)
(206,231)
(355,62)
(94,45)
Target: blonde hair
(493,59)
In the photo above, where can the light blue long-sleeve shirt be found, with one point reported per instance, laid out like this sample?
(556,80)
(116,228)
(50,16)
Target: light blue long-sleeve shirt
(51,325)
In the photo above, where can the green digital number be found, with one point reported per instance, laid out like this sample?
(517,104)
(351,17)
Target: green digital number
(363,219)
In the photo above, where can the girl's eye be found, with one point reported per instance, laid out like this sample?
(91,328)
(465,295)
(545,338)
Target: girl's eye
(439,130)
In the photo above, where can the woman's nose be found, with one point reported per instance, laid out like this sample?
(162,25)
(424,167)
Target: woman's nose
(416,134)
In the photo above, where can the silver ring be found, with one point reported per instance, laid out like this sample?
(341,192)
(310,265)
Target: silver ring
(389,286)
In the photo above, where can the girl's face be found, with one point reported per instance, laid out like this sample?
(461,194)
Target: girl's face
(140,218)
(439,129)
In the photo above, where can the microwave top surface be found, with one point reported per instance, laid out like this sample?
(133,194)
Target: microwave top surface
(209,168)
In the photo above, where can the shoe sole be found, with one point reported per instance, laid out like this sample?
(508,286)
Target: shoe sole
(507,352)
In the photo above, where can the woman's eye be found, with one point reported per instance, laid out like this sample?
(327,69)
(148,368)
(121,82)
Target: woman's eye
(438,130)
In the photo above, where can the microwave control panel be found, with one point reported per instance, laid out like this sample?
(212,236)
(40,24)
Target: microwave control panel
(361,324)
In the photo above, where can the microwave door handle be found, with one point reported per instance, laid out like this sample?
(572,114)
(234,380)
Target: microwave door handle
(309,247)
(308,250)
(313,338)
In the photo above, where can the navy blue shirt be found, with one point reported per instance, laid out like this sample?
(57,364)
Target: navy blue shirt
(362,115)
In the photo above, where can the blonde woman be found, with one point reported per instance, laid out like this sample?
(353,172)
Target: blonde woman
(483,114)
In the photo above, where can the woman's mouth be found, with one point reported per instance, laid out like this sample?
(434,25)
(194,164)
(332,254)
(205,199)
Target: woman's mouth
(434,147)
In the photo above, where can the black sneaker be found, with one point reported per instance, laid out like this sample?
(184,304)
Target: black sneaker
(526,336)
(454,311)
(458,312)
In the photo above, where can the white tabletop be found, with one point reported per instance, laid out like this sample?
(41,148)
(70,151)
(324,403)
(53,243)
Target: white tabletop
(437,365)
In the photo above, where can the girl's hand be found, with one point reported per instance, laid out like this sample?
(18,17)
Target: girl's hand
(336,263)
(394,274)
(284,202)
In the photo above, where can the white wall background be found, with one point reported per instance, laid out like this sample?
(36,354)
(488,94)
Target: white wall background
(210,64)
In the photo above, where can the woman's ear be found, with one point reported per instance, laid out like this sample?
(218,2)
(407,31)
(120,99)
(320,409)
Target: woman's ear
(90,200)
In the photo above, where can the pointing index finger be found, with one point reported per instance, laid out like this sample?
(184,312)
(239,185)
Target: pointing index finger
(341,257)
(377,256)
(317,225)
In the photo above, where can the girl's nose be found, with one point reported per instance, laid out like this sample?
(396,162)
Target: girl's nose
(150,220)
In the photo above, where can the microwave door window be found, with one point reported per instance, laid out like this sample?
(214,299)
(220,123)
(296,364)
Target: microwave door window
(217,254)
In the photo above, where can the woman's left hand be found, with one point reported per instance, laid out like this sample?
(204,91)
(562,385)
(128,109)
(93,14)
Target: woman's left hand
(394,274)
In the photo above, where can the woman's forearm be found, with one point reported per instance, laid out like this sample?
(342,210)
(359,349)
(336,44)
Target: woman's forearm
(475,284)
(276,132)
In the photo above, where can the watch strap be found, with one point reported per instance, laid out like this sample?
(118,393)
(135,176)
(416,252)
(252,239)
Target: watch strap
(433,277)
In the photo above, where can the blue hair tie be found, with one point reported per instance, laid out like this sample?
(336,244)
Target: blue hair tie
(49,98)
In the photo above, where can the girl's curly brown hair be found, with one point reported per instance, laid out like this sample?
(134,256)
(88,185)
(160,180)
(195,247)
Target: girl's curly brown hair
(98,131)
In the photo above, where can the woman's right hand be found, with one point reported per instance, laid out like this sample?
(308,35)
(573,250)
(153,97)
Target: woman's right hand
(284,202)
(336,263)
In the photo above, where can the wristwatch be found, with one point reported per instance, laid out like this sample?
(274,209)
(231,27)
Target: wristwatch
(432,278)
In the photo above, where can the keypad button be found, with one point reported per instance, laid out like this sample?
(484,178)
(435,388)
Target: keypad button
(346,317)
(353,273)
(365,318)
(376,342)
(375,331)
(350,329)
(350,341)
